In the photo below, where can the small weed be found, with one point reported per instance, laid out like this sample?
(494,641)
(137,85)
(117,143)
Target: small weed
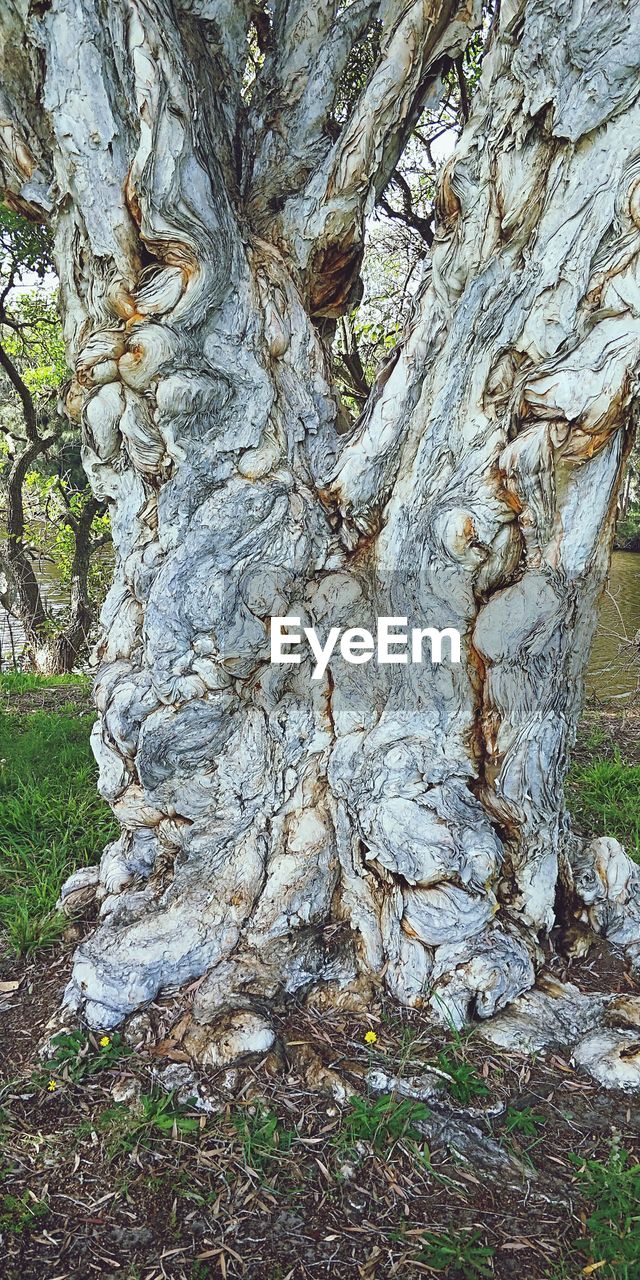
(154,1115)
(612,1227)
(78,1054)
(464,1254)
(383,1123)
(465,1083)
(523,1121)
(261,1137)
(20,1213)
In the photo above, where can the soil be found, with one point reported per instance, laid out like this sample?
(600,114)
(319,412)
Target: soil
(267,1184)
(202,1204)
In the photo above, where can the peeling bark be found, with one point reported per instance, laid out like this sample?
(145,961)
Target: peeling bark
(397,825)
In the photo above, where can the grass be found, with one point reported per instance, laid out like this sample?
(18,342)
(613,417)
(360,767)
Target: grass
(612,1225)
(29,682)
(82,1175)
(154,1115)
(464,1254)
(604,800)
(21,1213)
(383,1122)
(523,1121)
(464,1083)
(51,818)
(261,1137)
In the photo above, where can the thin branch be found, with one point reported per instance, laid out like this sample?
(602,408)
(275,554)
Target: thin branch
(417,42)
(462,85)
(28,407)
(407,215)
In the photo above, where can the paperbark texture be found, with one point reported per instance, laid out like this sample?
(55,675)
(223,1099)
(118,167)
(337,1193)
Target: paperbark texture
(396,824)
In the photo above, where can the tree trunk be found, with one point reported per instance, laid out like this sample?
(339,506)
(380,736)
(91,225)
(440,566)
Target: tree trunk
(50,652)
(62,651)
(395,823)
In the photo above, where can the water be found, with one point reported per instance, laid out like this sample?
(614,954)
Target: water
(11,633)
(614,667)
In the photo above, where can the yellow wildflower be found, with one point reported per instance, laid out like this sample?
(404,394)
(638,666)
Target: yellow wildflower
(104,1042)
(52,1086)
(370,1037)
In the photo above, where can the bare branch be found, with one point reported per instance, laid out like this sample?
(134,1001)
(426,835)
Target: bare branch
(407,215)
(28,407)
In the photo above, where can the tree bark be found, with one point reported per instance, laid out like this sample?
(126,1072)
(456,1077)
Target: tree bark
(404,825)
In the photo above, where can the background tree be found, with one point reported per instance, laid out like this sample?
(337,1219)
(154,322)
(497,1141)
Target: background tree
(209,207)
(50,514)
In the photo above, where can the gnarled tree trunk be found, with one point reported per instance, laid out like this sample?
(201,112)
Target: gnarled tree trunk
(404,823)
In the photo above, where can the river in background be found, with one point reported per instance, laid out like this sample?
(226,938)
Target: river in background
(614,667)
(11,633)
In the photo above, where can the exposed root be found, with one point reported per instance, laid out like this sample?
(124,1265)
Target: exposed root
(602,1031)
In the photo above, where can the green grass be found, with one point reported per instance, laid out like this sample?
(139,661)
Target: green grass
(21,1213)
(603,798)
(51,819)
(612,1226)
(28,682)
(464,1254)
(154,1116)
(464,1082)
(523,1121)
(262,1138)
(383,1122)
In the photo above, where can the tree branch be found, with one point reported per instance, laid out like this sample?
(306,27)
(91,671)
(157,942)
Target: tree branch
(28,407)
(407,215)
(326,219)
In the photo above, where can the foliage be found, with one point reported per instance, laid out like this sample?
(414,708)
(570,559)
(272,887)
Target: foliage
(78,1054)
(154,1115)
(523,1121)
(50,498)
(28,244)
(35,344)
(361,63)
(51,820)
(612,1227)
(261,1137)
(464,1081)
(628,528)
(383,1122)
(465,1254)
(54,490)
(21,1213)
(460,1255)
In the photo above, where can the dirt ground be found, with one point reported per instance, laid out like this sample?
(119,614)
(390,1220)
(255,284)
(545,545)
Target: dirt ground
(116,1162)
(201,1199)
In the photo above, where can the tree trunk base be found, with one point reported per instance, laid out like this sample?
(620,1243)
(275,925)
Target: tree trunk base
(234,983)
